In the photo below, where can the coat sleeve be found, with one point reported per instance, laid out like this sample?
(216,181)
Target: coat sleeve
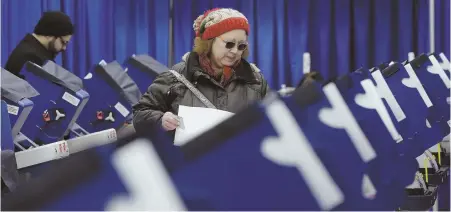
(264,84)
(265,87)
(153,103)
(17,63)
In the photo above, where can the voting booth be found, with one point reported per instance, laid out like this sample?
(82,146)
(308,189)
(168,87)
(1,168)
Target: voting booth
(435,79)
(264,178)
(350,144)
(360,116)
(10,177)
(437,86)
(143,69)
(265,172)
(17,94)
(360,94)
(55,112)
(418,197)
(7,141)
(401,91)
(113,93)
(93,177)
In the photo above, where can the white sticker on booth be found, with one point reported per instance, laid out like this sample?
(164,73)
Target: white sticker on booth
(437,69)
(13,109)
(61,149)
(71,99)
(145,178)
(384,92)
(292,148)
(121,108)
(340,117)
(414,82)
(371,100)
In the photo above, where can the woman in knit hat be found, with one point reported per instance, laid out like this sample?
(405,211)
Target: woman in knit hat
(216,67)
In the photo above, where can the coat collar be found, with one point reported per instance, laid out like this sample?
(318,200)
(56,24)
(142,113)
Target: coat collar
(244,71)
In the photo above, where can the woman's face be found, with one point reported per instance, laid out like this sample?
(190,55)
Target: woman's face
(228,48)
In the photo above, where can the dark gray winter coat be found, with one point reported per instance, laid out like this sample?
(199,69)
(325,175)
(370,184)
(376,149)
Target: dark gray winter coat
(166,93)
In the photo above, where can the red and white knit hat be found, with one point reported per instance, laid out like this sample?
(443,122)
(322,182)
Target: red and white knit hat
(216,22)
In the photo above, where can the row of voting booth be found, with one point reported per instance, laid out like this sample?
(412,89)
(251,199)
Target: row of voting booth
(62,110)
(52,113)
(373,139)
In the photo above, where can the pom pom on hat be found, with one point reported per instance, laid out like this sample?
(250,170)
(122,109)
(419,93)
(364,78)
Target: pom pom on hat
(196,24)
(216,22)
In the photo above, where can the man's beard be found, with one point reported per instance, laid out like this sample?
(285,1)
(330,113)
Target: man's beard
(52,48)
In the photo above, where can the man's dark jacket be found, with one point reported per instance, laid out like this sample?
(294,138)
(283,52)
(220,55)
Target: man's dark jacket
(29,49)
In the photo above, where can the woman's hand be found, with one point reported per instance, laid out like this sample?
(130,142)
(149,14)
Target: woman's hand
(169,121)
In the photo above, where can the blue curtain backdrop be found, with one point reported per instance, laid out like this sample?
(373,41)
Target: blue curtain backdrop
(105,29)
(442,24)
(341,35)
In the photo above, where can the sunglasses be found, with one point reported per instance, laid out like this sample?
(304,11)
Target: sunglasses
(231,45)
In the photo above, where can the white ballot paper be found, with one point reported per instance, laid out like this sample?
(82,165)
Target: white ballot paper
(197,120)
